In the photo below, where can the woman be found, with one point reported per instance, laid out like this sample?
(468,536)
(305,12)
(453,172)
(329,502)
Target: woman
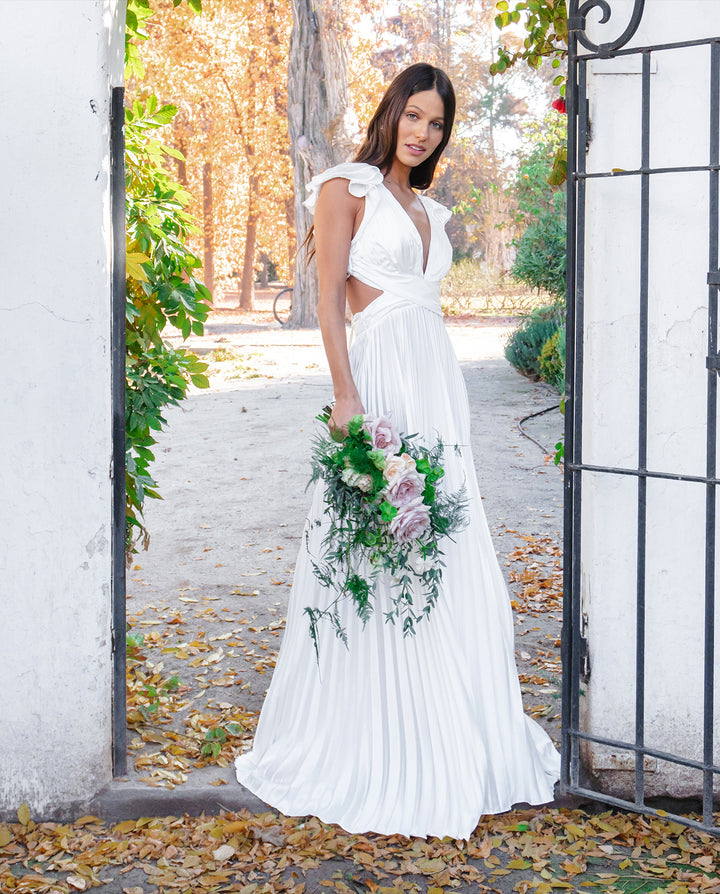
(416,735)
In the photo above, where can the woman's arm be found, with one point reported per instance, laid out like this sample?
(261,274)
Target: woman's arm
(336,215)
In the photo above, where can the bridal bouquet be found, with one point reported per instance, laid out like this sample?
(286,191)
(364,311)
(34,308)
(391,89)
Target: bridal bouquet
(387,520)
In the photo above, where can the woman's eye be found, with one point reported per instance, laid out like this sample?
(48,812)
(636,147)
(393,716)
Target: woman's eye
(412,115)
(437,124)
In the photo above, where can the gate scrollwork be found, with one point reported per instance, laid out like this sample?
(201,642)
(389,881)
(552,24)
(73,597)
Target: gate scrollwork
(577,24)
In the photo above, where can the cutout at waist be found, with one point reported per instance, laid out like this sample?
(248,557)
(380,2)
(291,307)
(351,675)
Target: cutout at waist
(360,294)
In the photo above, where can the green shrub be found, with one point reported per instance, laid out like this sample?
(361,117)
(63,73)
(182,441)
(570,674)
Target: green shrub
(525,343)
(552,360)
(541,250)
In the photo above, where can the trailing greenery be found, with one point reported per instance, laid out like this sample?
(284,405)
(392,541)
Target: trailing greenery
(525,343)
(545,23)
(162,288)
(560,446)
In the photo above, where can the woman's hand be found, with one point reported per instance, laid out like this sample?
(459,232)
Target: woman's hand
(343,412)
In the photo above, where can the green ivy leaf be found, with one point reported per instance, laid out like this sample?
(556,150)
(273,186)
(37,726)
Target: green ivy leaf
(387,511)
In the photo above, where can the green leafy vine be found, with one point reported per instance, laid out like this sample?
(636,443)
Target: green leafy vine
(162,284)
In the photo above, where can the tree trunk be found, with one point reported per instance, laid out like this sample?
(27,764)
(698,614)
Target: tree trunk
(317,110)
(247,280)
(264,260)
(208,259)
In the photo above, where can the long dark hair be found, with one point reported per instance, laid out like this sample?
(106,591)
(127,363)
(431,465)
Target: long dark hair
(379,145)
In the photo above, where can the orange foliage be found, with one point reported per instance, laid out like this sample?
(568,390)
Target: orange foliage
(226,70)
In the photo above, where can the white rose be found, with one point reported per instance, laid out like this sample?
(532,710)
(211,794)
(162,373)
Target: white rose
(357,479)
(398,465)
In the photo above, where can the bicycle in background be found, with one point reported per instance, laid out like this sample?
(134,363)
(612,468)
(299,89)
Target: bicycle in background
(282,305)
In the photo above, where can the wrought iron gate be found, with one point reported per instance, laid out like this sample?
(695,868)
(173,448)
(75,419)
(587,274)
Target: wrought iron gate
(582,52)
(118,291)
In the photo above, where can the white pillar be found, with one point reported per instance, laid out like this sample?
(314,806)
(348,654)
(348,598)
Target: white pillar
(58,61)
(677,377)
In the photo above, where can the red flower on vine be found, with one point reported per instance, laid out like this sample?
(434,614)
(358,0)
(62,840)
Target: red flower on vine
(559,105)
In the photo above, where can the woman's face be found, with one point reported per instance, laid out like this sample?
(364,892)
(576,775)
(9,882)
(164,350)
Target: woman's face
(420,128)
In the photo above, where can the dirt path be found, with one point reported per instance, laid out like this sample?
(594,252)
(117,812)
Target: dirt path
(210,594)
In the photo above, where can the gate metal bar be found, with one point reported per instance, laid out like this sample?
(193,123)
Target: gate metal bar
(709,669)
(642,437)
(573,643)
(117,204)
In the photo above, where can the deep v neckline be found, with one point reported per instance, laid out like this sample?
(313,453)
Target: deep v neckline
(425,257)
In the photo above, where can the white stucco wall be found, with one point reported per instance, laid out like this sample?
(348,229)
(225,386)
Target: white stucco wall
(677,379)
(58,60)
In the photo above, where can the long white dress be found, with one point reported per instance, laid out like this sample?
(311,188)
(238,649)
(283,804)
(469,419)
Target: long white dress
(417,735)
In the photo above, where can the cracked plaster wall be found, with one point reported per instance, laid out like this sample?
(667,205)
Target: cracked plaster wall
(58,60)
(677,388)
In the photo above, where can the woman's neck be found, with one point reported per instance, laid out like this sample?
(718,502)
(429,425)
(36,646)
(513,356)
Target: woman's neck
(399,175)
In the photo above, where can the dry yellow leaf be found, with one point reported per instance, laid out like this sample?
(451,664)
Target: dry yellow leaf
(223,853)
(5,835)
(430,867)
(23,814)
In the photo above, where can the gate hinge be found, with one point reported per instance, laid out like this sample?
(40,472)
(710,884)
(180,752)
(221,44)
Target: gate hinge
(713,362)
(584,660)
(713,278)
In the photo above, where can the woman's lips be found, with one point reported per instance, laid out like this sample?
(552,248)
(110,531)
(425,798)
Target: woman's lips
(414,150)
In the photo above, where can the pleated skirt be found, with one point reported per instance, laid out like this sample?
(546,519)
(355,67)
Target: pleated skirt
(415,735)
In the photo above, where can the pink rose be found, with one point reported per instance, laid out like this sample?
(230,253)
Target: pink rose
(411,522)
(383,434)
(404,488)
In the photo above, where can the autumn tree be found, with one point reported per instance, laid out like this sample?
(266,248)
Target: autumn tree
(229,67)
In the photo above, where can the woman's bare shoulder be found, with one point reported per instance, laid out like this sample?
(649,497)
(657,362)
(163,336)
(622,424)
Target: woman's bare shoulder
(336,190)
(354,179)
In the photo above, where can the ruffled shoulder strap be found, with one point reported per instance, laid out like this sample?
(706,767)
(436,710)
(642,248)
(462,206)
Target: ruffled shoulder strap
(362,178)
(439,212)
